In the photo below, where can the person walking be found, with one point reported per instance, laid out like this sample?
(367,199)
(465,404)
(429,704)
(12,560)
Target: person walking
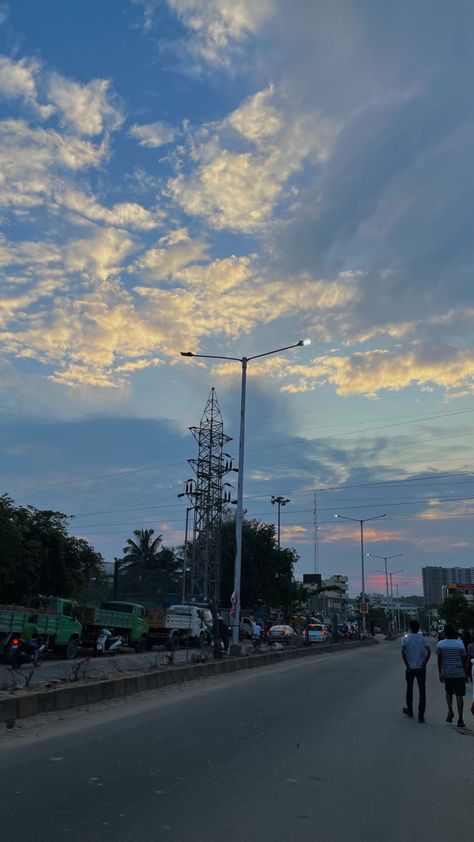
(470,657)
(469,647)
(452,664)
(416,654)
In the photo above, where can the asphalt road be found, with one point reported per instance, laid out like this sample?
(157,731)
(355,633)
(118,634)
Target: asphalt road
(313,751)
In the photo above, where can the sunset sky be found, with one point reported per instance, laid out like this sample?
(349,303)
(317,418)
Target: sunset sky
(227,177)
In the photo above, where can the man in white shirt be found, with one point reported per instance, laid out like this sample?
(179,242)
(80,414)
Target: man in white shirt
(452,664)
(416,654)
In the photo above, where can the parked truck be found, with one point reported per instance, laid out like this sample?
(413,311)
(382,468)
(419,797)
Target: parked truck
(126,619)
(55,620)
(179,624)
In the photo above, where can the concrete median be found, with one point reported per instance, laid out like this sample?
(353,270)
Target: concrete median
(34,701)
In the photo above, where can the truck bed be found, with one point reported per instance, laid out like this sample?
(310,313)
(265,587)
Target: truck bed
(15,621)
(166,620)
(106,619)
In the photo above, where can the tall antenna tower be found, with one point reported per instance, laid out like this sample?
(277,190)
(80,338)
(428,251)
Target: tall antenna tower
(209,494)
(316,534)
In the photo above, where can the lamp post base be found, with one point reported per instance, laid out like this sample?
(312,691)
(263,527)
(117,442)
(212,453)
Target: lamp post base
(235,650)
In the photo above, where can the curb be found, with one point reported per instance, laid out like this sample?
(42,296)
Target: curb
(77,694)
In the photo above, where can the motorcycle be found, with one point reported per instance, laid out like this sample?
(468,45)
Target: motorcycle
(20,652)
(107,642)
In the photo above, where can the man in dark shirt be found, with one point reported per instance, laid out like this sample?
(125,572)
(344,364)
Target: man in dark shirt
(416,654)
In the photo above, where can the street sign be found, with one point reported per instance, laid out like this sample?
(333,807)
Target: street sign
(364,608)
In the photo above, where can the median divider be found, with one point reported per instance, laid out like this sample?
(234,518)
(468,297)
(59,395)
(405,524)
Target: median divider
(87,692)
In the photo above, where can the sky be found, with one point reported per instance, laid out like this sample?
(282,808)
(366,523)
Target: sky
(228,177)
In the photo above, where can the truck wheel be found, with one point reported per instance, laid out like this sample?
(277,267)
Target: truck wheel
(140,645)
(72,648)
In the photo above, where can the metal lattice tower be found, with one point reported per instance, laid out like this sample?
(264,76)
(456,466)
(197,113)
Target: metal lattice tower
(209,494)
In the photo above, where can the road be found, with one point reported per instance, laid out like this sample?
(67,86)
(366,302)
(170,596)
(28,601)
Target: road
(314,751)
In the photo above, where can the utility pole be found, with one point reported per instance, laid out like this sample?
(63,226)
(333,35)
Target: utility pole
(316,534)
(279,501)
(191,494)
(386,558)
(393,573)
(361,521)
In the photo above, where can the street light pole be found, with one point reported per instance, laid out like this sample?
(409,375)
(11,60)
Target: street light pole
(393,573)
(386,558)
(280,501)
(235,598)
(185,553)
(239,516)
(362,567)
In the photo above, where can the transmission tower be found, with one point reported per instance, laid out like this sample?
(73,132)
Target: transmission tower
(209,494)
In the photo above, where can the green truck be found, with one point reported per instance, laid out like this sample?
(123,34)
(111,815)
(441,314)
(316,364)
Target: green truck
(56,622)
(126,619)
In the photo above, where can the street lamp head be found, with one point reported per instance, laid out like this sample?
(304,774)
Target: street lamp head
(187,354)
(304,342)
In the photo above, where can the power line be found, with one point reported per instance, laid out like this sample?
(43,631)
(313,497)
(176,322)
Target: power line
(380,483)
(452,516)
(118,475)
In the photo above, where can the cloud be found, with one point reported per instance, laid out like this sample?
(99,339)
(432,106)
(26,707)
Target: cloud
(122,214)
(174,252)
(239,190)
(18,80)
(368,372)
(152,135)
(216,28)
(88,109)
(30,157)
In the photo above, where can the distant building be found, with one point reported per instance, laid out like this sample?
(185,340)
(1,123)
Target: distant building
(435,578)
(329,602)
(466,590)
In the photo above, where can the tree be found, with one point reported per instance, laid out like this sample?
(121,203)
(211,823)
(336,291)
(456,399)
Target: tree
(143,552)
(378,617)
(267,572)
(147,566)
(37,554)
(456,610)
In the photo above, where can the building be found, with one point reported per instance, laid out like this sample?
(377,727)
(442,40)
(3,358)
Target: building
(466,590)
(328,602)
(434,578)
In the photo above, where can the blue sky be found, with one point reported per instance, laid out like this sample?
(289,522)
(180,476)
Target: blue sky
(227,176)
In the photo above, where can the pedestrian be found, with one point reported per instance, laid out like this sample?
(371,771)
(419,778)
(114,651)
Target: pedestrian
(223,632)
(469,647)
(416,654)
(372,629)
(470,658)
(256,635)
(452,658)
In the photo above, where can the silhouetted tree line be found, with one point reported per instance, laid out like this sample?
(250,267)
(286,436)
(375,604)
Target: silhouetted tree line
(38,556)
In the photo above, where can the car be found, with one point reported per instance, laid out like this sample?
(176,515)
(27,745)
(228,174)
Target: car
(283,634)
(246,627)
(318,633)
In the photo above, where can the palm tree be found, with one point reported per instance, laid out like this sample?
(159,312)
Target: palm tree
(143,553)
